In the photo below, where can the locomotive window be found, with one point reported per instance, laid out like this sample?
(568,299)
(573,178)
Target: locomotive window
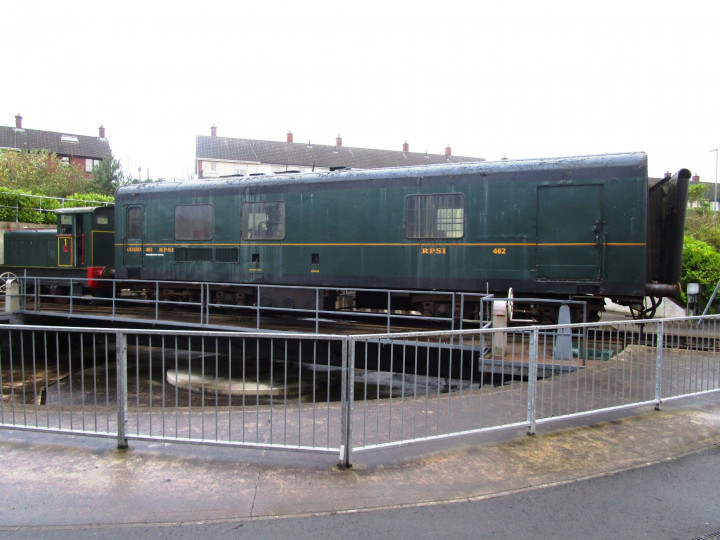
(435,216)
(263,220)
(194,222)
(102,220)
(66,222)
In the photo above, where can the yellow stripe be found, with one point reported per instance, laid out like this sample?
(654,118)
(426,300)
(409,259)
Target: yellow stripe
(454,244)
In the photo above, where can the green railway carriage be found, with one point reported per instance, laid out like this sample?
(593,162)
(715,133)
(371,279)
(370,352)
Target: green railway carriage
(80,246)
(589,227)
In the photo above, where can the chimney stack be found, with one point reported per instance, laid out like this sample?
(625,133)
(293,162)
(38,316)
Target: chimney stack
(18,121)
(448,151)
(289,136)
(213,131)
(101,129)
(338,141)
(406,147)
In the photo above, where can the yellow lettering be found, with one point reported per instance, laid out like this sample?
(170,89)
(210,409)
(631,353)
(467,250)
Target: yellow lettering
(433,251)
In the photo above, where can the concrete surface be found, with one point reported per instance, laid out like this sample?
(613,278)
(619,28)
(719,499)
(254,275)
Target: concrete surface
(53,480)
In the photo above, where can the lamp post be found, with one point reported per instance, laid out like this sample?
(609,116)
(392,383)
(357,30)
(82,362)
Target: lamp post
(714,206)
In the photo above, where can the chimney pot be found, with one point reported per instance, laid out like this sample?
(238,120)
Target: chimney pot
(338,141)
(18,121)
(101,131)
(213,131)
(406,147)
(448,150)
(289,136)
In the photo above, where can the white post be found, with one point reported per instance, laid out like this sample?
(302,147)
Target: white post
(500,320)
(12,296)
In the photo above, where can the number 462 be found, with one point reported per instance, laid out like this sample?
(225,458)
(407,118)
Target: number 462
(499,251)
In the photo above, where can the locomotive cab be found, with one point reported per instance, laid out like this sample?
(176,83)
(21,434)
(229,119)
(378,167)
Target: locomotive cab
(85,237)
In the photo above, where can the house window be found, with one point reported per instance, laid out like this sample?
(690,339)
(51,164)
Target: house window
(65,160)
(435,216)
(90,164)
(213,167)
(194,222)
(263,221)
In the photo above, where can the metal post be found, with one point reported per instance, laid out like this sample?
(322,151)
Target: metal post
(532,381)
(347,400)
(121,366)
(658,366)
(317,311)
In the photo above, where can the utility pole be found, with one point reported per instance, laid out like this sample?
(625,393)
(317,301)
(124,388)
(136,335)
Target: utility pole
(714,205)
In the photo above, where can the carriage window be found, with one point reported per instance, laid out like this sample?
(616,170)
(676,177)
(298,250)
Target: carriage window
(435,216)
(194,222)
(263,221)
(134,222)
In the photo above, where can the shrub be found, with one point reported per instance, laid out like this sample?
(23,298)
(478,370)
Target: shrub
(701,264)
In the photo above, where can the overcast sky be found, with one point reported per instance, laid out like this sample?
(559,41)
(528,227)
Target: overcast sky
(520,79)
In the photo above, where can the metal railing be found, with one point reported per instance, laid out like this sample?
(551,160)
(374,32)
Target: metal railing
(343,394)
(55,203)
(58,296)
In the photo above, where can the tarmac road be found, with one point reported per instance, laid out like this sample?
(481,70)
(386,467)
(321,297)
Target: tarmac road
(676,498)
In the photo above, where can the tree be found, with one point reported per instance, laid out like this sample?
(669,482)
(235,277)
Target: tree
(107,176)
(42,173)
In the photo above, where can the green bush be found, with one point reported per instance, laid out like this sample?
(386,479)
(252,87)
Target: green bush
(701,264)
(18,205)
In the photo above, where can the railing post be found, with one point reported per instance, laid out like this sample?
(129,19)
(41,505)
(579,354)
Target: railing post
(532,381)
(347,398)
(121,366)
(658,365)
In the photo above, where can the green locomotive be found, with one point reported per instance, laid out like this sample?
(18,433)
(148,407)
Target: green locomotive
(586,227)
(80,246)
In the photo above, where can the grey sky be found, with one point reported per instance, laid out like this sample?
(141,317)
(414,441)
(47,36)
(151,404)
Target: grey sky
(522,79)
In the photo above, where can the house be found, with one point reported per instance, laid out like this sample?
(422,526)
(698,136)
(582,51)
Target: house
(82,151)
(224,156)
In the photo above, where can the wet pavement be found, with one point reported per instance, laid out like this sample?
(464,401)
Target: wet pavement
(51,480)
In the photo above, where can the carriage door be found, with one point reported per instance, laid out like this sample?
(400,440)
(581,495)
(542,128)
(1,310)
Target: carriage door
(570,232)
(134,236)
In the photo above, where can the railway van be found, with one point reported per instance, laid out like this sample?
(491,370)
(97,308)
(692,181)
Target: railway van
(579,228)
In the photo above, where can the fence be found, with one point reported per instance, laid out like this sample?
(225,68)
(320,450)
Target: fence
(213,305)
(342,394)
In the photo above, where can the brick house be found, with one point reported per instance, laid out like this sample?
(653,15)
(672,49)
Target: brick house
(81,151)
